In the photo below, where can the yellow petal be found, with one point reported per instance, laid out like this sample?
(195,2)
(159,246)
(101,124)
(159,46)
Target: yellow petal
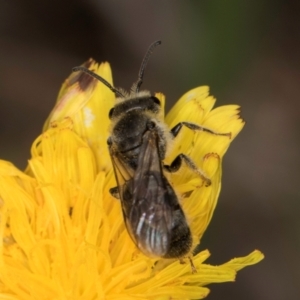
(63,234)
(205,149)
(87,102)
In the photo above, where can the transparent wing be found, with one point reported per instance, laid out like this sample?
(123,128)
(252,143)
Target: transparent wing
(149,203)
(154,202)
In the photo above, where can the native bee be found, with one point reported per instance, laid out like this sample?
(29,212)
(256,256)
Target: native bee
(137,145)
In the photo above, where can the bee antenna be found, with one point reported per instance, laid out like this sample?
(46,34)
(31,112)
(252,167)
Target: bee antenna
(96,76)
(139,82)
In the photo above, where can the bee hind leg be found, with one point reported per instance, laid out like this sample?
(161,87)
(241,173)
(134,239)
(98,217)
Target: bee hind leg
(193,268)
(177,162)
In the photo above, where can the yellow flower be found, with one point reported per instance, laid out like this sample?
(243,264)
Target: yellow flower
(63,235)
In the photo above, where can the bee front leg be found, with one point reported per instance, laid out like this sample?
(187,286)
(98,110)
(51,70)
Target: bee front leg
(176,129)
(177,162)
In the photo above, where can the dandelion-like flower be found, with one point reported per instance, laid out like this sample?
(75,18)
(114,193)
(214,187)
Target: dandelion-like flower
(62,233)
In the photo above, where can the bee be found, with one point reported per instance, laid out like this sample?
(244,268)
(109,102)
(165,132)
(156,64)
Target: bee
(137,145)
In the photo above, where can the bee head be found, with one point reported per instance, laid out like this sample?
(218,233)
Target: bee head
(142,101)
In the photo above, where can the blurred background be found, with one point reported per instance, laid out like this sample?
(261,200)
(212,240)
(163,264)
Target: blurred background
(246,51)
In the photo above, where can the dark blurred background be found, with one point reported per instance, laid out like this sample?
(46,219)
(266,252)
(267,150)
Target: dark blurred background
(246,51)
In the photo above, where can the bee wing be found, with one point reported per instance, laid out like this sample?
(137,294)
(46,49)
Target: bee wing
(154,202)
(123,173)
(149,204)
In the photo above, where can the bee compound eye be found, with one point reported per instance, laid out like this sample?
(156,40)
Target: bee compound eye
(111,112)
(150,125)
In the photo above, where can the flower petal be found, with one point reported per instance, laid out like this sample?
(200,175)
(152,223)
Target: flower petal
(63,235)
(87,102)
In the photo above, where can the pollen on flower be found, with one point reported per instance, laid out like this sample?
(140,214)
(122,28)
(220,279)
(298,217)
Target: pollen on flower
(89,116)
(63,234)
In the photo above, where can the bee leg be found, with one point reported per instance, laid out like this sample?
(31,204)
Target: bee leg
(114,191)
(177,162)
(176,129)
(194,270)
